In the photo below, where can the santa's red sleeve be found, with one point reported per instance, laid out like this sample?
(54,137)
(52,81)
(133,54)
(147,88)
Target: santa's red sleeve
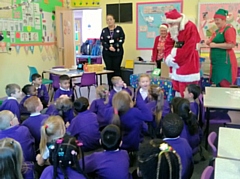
(192,38)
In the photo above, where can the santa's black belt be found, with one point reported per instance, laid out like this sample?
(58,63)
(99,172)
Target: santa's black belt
(178,44)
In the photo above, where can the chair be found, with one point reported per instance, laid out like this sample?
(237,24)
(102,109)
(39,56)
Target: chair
(211,139)
(207,173)
(232,125)
(32,71)
(87,80)
(55,79)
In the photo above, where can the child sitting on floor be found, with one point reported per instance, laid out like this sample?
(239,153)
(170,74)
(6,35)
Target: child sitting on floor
(99,105)
(85,125)
(36,119)
(9,128)
(144,84)
(118,85)
(192,92)
(64,159)
(42,91)
(112,162)
(172,127)
(14,93)
(64,88)
(29,91)
(62,107)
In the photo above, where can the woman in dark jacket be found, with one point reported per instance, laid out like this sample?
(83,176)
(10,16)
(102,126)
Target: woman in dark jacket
(112,39)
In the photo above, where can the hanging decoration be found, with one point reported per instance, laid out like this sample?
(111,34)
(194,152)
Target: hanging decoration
(17,47)
(40,48)
(31,48)
(26,48)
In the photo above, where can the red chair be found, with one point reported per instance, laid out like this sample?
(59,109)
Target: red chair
(87,80)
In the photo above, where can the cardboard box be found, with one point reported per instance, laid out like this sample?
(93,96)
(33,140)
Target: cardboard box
(164,70)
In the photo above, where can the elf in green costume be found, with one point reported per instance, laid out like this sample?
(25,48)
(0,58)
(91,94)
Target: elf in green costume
(223,60)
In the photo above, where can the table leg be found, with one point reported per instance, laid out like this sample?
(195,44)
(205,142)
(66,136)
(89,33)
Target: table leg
(207,127)
(100,79)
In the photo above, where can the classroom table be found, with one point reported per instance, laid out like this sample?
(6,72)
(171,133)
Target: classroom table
(76,73)
(226,168)
(220,98)
(229,143)
(84,58)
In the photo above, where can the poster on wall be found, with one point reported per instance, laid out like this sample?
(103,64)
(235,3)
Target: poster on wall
(206,25)
(150,16)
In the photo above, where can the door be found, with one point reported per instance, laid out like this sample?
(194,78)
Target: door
(65,37)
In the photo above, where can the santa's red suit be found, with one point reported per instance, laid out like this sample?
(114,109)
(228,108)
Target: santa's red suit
(181,53)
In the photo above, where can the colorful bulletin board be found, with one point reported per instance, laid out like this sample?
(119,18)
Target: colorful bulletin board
(206,25)
(150,16)
(85,3)
(32,23)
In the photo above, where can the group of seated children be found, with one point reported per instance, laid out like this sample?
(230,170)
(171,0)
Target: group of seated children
(56,139)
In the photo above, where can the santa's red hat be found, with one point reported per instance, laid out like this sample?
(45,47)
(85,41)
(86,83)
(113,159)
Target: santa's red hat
(173,16)
(165,26)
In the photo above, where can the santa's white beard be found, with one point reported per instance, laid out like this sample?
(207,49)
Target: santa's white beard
(174,32)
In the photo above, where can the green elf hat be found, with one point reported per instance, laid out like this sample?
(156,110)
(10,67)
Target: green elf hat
(221,14)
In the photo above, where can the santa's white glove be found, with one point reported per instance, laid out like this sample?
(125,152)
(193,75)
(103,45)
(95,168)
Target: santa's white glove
(170,62)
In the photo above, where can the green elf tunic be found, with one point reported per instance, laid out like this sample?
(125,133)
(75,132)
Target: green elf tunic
(223,61)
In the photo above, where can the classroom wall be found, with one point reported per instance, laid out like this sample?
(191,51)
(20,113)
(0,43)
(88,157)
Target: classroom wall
(190,9)
(14,67)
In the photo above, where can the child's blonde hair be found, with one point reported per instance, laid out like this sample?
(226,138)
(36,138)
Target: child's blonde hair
(103,93)
(115,80)
(64,104)
(11,89)
(5,118)
(11,159)
(32,103)
(156,94)
(143,76)
(121,103)
(53,128)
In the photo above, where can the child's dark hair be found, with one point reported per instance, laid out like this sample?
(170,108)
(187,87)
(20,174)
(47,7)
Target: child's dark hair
(111,137)
(194,89)
(158,160)
(156,94)
(35,76)
(172,125)
(64,104)
(181,107)
(66,152)
(26,89)
(121,104)
(63,78)
(81,104)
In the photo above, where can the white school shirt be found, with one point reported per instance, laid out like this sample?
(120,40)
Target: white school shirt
(144,93)
(117,90)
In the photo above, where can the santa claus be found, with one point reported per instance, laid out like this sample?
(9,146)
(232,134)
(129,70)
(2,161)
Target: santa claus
(180,52)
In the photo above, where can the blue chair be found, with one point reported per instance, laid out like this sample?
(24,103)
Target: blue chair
(32,71)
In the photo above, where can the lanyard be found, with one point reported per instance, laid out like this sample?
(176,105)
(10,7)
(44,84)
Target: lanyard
(111,33)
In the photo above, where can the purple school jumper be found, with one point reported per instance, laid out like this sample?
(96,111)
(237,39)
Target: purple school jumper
(113,92)
(24,137)
(108,164)
(86,129)
(194,108)
(67,116)
(43,93)
(34,123)
(131,124)
(138,95)
(24,110)
(12,105)
(28,172)
(61,91)
(185,152)
(99,108)
(72,174)
(193,140)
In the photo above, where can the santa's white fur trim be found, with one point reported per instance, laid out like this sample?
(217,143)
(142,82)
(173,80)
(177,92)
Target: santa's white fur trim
(170,62)
(174,52)
(173,20)
(183,21)
(163,26)
(177,94)
(184,78)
